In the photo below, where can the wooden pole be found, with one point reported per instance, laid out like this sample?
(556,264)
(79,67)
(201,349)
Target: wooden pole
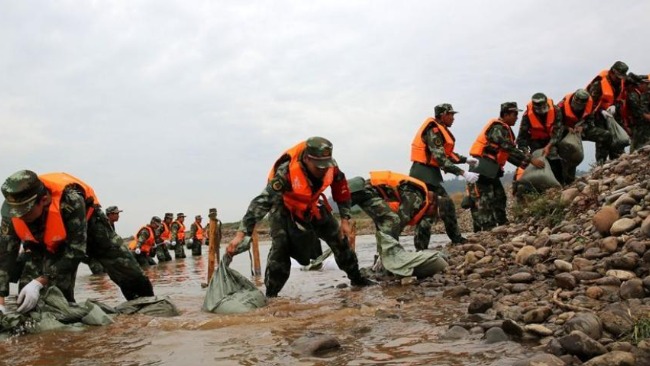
(257,265)
(213,249)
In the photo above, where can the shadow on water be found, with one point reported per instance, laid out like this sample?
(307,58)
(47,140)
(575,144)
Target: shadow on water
(379,325)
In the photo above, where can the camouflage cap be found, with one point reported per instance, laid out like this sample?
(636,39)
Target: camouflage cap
(212,210)
(112,209)
(197,217)
(180,214)
(156,220)
(443,108)
(319,150)
(540,103)
(510,107)
(634,80)
(619,69)
(20,191)
(580,99)
(169,215)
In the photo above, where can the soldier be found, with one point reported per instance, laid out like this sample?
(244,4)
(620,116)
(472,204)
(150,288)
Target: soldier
(58,218)
(493,147)
(162,249)
(143,244)
(541,128)
(196,236)
(393,201)
(178,236)
(577,116)
(292,198)
(606,89)
(635,110)
(113,214)
(432,149)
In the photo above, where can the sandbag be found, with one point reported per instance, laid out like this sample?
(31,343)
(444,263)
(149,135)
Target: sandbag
(539,179)
(231,293)
(620,138)
(149,305)
(571,150)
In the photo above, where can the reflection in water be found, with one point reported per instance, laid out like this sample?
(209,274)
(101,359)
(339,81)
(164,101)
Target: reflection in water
(378,325)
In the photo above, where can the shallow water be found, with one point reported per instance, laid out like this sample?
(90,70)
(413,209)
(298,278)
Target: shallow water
(378,325)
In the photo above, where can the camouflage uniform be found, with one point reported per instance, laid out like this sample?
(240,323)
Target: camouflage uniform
(94,238)
(599,133)
(292,237)
(432,177)
(488,195)
(526,142)
(590,132)
(196,242)
(162,249)
(146,258)
(637,109)
(394,257)
(179,249)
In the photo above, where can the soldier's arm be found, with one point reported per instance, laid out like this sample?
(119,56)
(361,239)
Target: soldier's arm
(73,212)
(143,236)
(174,231)
(558,127)
(595,91)
(193,229)
(435,145)
(499,135)
(9,247)
(636,108)
(523,137)
(341,194)
(261,205)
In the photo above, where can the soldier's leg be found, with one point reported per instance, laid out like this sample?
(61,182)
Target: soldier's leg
(599,134)
(196,247)
(411,203)
(278,263)
(160,252)
(447,212)
(569,174)
(123,269)
(327,228)
(484,215)
(499,202)
(422,235)
(558,170)
(166,253)
(640,136)
(179,249)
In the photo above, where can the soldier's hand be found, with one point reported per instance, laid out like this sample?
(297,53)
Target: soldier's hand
(29,295)
(232,246)
(174,243)
(346,228)
(470,177)
(547,149)
(472,161)
(538,163)
(137,251)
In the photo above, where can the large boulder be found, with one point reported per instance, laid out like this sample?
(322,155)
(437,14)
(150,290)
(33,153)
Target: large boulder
(604,219)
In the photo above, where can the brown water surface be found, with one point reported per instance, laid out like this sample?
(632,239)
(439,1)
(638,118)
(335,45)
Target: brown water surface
(391,325)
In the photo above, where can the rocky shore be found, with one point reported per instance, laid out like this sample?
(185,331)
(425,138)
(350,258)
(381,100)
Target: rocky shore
(573,282)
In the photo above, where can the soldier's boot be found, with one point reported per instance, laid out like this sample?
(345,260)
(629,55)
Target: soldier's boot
(448,215)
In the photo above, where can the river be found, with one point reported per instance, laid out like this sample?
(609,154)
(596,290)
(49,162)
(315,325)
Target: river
(387,325)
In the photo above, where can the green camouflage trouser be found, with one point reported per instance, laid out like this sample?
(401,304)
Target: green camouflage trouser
(179,249)
(447,212)
(162,253)
(640,135)
(599,134)
(196,247)
(489,209)
(284,245)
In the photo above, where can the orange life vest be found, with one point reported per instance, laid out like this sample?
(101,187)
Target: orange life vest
(478,148)
(419,149)
(180,234)
(539,131)
(166,232)
(55,233)
(148,244)
(302,201)
(386,179)
(570,119)
(199,231)
(607,91)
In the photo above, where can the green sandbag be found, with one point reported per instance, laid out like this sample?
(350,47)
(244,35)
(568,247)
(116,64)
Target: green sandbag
(571,150)
(231,293)
(620,138)
(149,305)
(540,179)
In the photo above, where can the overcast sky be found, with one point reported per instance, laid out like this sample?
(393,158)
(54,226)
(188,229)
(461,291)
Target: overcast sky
(184,105)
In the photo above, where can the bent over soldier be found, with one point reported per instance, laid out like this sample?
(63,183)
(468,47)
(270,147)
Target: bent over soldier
(297,208)
(58,218)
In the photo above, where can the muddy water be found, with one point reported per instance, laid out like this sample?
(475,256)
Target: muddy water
(378,325)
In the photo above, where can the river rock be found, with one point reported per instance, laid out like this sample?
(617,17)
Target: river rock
(541,359)
(524,254)
(541,241)
(627,261)
(562,266)
(456,291)
(456,332)
(587,323)
(538,315)
(495,335)
(569,194)
(624,199)
(538,329)
(616,319)
(579,344)
(604,219)
(621,274)
(609,244)
(565,281)
(594,292)
(645,226)
(511,327)
(636,246)
(521,277)
(632,289)
(622,226)
(480,304)
(314,344)
(614,358)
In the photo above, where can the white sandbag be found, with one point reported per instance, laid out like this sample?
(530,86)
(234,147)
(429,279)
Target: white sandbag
(620,138)
(571,150)
(540,179)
